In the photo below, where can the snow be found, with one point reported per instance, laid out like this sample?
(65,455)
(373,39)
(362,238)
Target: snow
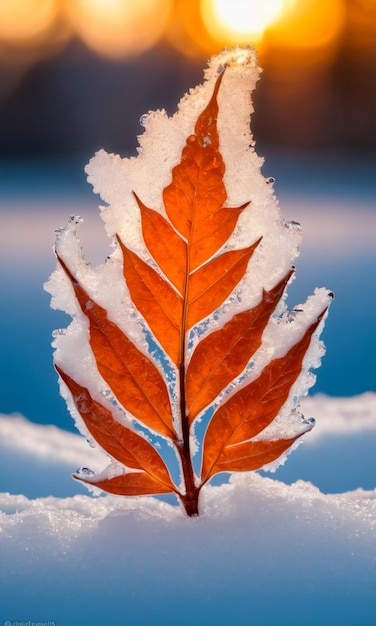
(263,553)
(270,554)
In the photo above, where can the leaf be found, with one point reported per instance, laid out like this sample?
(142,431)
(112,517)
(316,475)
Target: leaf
(223,354)
(190,272)
(183,245)
(250,410)
(251,455)
(127,484)
(122,443)
(132,377)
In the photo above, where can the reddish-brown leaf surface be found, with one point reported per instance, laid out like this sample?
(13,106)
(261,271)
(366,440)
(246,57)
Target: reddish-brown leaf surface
(189,276)
(122,443)
(133,378)
(223,354)
(250,410)
(251,455)
(184,242)
(128,484)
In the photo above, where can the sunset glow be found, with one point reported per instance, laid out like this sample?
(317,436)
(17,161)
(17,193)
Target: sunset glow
(239,21)
(21,20)
(116,28)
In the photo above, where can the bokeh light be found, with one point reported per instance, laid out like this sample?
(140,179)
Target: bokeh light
(239,21)
(115,28)
(197,28)
(309,24)
(318,56)
(21,20)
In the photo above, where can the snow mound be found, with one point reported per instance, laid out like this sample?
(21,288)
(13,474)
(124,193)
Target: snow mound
(262,553)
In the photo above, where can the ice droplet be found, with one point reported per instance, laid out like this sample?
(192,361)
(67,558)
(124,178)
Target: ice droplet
(293,225)
(308,424)
(59,331)
(75,219)
(144,120)
(309,420)
(270,180)
(84,471)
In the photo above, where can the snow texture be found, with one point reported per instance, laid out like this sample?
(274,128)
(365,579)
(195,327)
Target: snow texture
(262,554)
(147,174)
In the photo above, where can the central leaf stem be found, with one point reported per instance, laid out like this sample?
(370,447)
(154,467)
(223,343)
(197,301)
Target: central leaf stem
(191,496)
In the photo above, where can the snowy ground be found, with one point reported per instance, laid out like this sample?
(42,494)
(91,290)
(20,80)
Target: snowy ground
(263,553)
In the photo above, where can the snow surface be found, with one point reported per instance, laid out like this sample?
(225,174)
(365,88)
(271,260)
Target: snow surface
(262,554)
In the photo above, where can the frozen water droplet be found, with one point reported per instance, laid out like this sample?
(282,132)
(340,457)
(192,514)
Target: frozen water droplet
(293,225)
(84,471)
(309,423)
(331,294)
(310,420)
(75,219)
(91,443)
(270,180)
(59,331)
(144,120)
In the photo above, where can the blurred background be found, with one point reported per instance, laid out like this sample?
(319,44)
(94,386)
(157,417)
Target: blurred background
(76,75)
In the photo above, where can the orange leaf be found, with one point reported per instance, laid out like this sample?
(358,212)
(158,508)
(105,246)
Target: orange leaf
(251,409)
(168,249)
(122,443)
(251,455)
(222,355)
(210,285)
(183,245)
(132,377)
(171,252)
(191,273)
(156,300)
(197,187)
(128,484)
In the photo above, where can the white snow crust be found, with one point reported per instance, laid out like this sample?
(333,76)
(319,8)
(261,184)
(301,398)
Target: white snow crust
(263,553)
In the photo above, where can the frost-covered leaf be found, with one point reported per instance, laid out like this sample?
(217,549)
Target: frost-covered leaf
(187,316)
(122,443)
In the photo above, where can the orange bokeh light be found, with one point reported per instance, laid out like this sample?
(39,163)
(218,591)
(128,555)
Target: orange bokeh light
(22,20)
(308,24)
(239,21)
(117,29)
(294,24)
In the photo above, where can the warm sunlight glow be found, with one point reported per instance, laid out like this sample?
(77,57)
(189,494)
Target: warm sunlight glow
(310,24)
(25,19)
(239,21)
(116,28)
